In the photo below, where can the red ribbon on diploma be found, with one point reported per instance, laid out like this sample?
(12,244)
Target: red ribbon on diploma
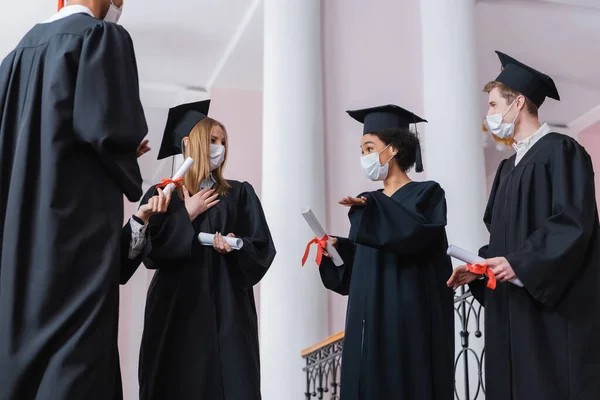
(166,182)
(484,270)
(61,4)
(321,245)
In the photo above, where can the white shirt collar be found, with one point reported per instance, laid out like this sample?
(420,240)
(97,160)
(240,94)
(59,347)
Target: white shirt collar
(524,145)
(207,183)
(68,11)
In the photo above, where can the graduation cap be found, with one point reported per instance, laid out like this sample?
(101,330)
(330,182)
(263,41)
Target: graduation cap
(380,118)
(180,122)
(534,85)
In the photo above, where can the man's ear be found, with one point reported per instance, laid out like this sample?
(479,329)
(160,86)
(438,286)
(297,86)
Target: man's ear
(520,102)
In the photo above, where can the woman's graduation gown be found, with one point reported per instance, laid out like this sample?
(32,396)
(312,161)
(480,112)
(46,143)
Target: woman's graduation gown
(541,339)
(200,337)
(399,340)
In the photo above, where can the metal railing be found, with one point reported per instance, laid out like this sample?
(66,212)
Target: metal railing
(324,361)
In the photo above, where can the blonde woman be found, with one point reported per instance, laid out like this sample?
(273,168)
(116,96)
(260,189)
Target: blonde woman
(200,337)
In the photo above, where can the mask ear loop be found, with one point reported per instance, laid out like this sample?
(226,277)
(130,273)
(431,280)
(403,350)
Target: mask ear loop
(390,159)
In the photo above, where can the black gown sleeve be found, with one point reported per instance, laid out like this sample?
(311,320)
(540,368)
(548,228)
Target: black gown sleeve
(478,286)
(337,279)
(171,234)
(107,111)
(553,255)
(258,252)
(407,227)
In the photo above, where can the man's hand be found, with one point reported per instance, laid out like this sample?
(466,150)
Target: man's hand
(461,276)
(156,205)
(142,148)
(501,268)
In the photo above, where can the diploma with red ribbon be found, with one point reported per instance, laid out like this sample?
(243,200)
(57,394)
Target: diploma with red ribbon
(484,270)
(321,240)
(474,263)
(177,179)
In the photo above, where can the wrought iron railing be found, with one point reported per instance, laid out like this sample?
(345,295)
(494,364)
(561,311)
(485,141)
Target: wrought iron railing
(324,360)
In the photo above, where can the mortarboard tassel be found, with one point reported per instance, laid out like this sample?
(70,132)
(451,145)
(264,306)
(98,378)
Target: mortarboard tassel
(61,4)
(418,159)
(418,155)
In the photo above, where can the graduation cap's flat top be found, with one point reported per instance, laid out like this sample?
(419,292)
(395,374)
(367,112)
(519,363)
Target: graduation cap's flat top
(180,122)
(380,118)
(534,85)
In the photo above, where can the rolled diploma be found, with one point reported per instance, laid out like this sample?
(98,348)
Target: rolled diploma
(185,166)
(319,232)
(206,239)
(470,258)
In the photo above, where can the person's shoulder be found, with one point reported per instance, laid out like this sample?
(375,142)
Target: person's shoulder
(558,144)
(427,187)
(238,186)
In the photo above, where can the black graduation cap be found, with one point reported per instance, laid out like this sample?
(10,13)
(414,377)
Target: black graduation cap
(180,122)
(534,85)
(380,118)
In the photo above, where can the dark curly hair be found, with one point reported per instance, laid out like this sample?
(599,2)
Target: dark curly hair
(405,141)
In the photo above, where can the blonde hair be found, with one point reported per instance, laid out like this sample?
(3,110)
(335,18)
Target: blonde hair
(199,149)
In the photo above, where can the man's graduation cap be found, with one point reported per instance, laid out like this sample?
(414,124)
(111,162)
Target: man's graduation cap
(380,118)
(534,85)
(180,122)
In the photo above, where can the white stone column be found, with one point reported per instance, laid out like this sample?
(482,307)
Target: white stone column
(453,147)
(452,142)
(293,305)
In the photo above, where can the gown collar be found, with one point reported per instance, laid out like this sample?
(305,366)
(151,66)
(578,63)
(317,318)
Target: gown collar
(70,10)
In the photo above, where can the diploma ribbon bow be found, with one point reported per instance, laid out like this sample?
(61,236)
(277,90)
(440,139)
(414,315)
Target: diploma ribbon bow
(61,4)
(484,270)
(321,245)
(166,182)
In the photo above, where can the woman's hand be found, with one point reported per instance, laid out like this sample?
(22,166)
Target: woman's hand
(220,245)
(156,205)
(353,201)
(143,148)
(461,276)
(200,202)
(332,241)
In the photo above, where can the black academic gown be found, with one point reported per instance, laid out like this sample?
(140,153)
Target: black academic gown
(399,340)
(541,340)
(70,123)
(200,337)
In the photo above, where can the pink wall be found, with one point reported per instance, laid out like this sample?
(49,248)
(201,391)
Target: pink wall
(241,113)
(590,139)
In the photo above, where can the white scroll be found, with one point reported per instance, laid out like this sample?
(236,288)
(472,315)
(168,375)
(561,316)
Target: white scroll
(206,239)
(319,232)
(181,171)
(470,258)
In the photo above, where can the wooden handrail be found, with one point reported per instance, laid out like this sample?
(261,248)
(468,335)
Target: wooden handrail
(323,343)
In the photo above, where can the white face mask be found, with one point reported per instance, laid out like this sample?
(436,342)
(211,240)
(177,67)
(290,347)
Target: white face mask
(501,129)
(372,168)
(114,13)
(217,155)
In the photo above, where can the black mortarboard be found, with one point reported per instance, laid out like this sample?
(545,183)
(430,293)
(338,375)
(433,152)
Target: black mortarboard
(180,122)
(534,85)
(381,118)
